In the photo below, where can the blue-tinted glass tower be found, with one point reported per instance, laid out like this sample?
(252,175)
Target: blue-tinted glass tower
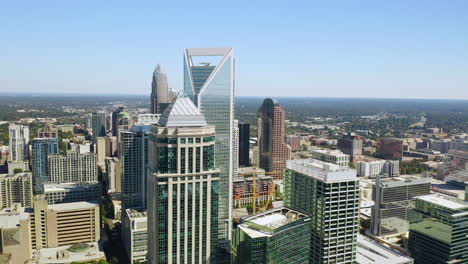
(209,82)
(41,149)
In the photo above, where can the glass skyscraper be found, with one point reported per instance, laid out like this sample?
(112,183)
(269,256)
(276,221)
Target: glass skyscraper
(183,190)
(211,87)
(41,149)
(99,121)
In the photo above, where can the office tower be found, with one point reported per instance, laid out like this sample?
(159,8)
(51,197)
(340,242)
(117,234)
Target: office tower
(47,131)
(15,245)
(280,236)
(294,142)
(160,96)
(114,175)
(440,234)
(255,156)
(183,191)
(330,194)
(394,203)
(244,144)
(80,148)
(235,149)
(134,159)
(210,85)
(41,149)
(371,167)
(72,167)
(100,149)
(111,146)
(370,251)
(16,188)
(51,225)
(455,167)
(136,240)
(331,156)
(115,120)
(391,148)
(71,192)
(351,144)
(19,140)
(273,150)
(99,122)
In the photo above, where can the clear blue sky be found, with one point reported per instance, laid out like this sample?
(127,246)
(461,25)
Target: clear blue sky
(402,49)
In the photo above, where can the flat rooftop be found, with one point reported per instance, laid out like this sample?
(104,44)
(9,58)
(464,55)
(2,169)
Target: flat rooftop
(264,224)
(72,206)
(372,252)
(86,252)
(52,187)
(324,171)
(331,152)
(10,217)
(133,213)
(445,201)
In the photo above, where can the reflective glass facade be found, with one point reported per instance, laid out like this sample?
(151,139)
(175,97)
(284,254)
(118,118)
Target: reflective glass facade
(41,148)
(212,90)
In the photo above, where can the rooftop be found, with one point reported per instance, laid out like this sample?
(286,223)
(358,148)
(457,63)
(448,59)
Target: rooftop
(11,217)
(371,252)
(430,227)
(332,152)
(69,254)
(72,206)
(54,187)
(324,171)
(22,174)
(264,224)
(133,213)
(445,201)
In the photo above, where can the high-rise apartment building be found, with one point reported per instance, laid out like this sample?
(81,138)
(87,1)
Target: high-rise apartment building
(41,149)
(391,148)
(351,145)
(134,159)
(160,96)
(440,234)
(210,85)
(136,239)
(99,125)
(330,194)
(394,203)
(244,144)
(100,148)
(19,140)
(273,150)
(183,190)
(72,167)
(280,236)
(16,188)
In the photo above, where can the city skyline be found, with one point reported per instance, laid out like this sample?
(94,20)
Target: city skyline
(372,50)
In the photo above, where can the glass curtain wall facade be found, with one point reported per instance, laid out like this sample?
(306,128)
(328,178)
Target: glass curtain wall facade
(183,196)
(134,159)
(211,88)
(41,149)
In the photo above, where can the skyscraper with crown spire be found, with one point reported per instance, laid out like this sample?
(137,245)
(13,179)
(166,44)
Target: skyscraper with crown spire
(160,96)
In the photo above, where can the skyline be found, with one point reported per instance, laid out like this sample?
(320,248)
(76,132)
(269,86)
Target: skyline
(340,50)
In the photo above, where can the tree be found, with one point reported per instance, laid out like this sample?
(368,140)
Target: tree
(18,170)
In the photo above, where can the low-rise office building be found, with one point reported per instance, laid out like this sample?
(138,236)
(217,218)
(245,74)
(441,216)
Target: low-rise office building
(244,190)
(371,167)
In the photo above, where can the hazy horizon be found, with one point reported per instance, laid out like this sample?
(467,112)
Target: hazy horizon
(395,49)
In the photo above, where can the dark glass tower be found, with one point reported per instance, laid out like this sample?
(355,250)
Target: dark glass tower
(244,144)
